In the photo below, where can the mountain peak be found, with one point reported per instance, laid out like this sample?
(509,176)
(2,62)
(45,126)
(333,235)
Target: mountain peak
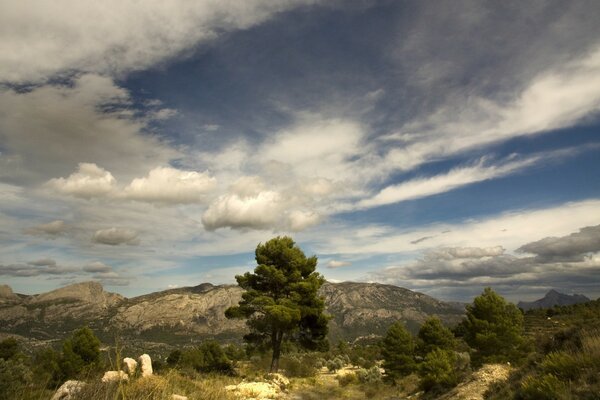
(553,298)
(89,292)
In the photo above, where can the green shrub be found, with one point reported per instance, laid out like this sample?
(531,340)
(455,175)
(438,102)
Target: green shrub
(174,357)
(299,366)
(207,357)
(437,370)
(369,376)
(9,348)
(347,379)
(47,368)
(14,376)
(335,364)
(562,365)
(545,387)
(80,354)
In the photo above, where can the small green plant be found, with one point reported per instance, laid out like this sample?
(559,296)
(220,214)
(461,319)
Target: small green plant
(369,376)
(335,364)
(545,387)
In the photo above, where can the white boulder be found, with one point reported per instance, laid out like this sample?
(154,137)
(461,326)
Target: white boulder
(114,376)
(178,397)
(145,365)
(129,365)
(68,390)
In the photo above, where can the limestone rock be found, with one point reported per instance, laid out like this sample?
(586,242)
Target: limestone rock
(87,292)
(145,365)
(68,390)
(114,376)
(129,365)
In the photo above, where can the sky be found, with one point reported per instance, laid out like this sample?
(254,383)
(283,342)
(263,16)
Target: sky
(440,146)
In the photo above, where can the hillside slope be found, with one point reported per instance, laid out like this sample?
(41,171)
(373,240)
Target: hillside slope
(194,313)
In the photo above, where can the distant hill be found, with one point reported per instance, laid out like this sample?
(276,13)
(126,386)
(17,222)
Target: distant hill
(194,313)
(553,298)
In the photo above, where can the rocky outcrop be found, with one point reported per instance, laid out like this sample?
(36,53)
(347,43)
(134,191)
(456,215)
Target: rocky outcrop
(114,376)
(145,365)
(68,390)
(7,295)
(85,292)
(370,308)
(130,365)
(188,312)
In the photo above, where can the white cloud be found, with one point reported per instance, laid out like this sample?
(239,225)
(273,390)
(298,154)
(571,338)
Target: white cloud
(69,124)
(97,267)
(41,39)
(53,228)
(259,211)
(116,236)
(338,264)
(455,178)
(171,186)
(249,204)
(454,269)
(554,99)
(300,220)
(89,181)
(44,262)
(509,230)
(451,253)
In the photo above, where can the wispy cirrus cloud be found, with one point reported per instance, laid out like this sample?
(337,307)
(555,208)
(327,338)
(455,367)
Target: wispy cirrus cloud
(46,40)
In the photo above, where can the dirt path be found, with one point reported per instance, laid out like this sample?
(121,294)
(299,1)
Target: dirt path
(476,386)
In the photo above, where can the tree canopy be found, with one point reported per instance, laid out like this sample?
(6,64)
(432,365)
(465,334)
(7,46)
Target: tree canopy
(493,327)
(397,348)
(433,334)
(281,301)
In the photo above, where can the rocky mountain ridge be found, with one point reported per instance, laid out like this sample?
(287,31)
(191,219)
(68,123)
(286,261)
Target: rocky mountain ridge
(553,298)
(194,313)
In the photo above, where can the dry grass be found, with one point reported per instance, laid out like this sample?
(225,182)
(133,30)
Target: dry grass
(159,387)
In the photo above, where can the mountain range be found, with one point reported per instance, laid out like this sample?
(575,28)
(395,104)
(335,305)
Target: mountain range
(194,313)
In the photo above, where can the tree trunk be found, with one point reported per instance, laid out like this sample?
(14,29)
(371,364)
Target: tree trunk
(276,338)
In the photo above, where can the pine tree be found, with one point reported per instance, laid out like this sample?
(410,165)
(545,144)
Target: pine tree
(433,334)
(397,348)
(281,301)
(494,328)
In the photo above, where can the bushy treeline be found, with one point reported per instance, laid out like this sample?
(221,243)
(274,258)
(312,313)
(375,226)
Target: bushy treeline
(47,368)
(565,363)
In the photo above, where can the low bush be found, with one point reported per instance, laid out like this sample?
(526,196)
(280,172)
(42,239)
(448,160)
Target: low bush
(369,376)
(544,387)
(298,365)
(563,365)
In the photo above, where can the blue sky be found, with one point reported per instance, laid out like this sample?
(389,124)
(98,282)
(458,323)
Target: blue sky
(443,147)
